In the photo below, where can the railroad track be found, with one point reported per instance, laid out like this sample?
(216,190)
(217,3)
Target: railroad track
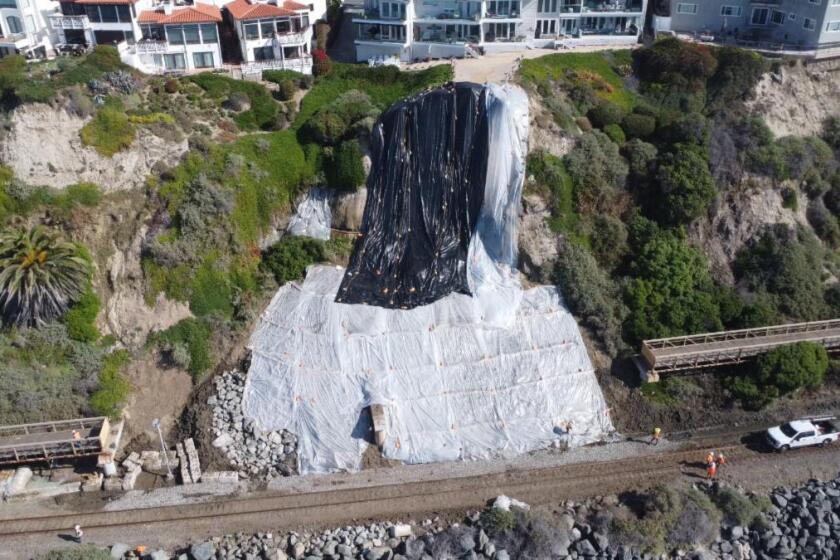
(173,525)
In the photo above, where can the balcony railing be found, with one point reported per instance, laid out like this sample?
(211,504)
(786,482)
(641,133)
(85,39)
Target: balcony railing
(373,13)
(301,64)
(61,21)
(293,38)
(611,6)
(511,15)
(151,47)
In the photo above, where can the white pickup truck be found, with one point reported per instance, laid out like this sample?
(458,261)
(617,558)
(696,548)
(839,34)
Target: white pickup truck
(804,433)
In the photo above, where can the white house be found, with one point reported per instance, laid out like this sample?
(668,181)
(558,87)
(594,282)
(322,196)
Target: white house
(177,39)
(418,29)
(24,29)
(272,36)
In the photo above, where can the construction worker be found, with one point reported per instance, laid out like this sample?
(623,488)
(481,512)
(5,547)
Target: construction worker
(710,458)
(657,435)
(711,471)
(78,533)
(76,435)
(140,550)
(721,459)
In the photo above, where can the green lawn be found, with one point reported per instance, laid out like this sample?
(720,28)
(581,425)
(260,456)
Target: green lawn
(597,69)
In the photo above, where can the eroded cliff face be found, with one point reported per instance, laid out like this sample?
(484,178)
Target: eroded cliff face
(42,146)
(796,100)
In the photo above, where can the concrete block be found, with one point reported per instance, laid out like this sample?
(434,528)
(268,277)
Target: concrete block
(92,482)
(118,550)
(225,477)
(399,531)
(130,478)
(151,460)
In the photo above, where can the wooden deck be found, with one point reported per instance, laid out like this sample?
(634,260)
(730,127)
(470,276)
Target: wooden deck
(731,347)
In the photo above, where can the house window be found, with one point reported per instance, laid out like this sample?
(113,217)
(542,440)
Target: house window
(688,9)
(252,31)
(759,16)
(153,32)
(730,11)
(817,2)
(283,26)
(109,13)
(833,26)
(809,24)
(13,4)
(174,61)
(209,34)
(191,34)
(777,17)
(835,2)
(93,13)
(174,35)
(547,6)
(124,14)
(263,53)
(267,28)
(14,25)
(203,60)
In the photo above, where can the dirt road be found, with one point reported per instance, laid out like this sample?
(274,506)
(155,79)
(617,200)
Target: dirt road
(375,495)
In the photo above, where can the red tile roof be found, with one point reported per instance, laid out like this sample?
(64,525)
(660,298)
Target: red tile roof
(244,9)
(126,2)
(197,13)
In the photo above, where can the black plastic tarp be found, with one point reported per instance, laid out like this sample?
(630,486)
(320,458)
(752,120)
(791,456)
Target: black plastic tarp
(425,191)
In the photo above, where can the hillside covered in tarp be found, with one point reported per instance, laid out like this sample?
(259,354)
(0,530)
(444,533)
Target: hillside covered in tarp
(425,191)
(474,367)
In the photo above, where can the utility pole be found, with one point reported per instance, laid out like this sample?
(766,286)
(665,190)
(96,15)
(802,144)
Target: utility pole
(156,425)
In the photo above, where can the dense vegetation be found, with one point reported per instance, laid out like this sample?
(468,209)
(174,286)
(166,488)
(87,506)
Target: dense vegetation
(660,134)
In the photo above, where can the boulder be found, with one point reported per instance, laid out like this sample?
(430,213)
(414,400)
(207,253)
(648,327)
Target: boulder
(203,551)
(118,550)
(159,555)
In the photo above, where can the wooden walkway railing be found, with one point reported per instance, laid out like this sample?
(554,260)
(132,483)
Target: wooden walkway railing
(45,441)
(731,347)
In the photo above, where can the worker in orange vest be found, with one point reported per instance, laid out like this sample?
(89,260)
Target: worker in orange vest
(721,459)
(710,458)
(657,435)
(711,471)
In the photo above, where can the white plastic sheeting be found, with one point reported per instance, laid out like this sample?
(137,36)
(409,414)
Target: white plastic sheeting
(497,374)
(312,217)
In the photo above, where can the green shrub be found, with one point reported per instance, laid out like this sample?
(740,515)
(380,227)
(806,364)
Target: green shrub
(84,552)
(597,170)
(751,395)
(615,133)
(344,169)
(109,132)
(172,86)
(195,336)
(583,124)
(641,158)
(286,90)
(81,317)
(605,114)
(670,291)
(686,186)
(786,264)
(152,118)
(497,520)
(335,121)
(114,387)
(211,291)
(789,367)
(263,110)
(737,509)
(638,126)
(288,258)
(738,72)
(789,199)
(591,295)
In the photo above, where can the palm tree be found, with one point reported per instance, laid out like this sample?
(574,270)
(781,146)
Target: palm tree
(40,276)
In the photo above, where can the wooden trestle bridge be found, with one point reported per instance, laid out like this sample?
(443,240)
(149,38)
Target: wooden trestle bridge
(682,353)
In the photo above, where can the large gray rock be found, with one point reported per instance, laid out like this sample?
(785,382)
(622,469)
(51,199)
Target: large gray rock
(159,555)
(203,551)
(118,550)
